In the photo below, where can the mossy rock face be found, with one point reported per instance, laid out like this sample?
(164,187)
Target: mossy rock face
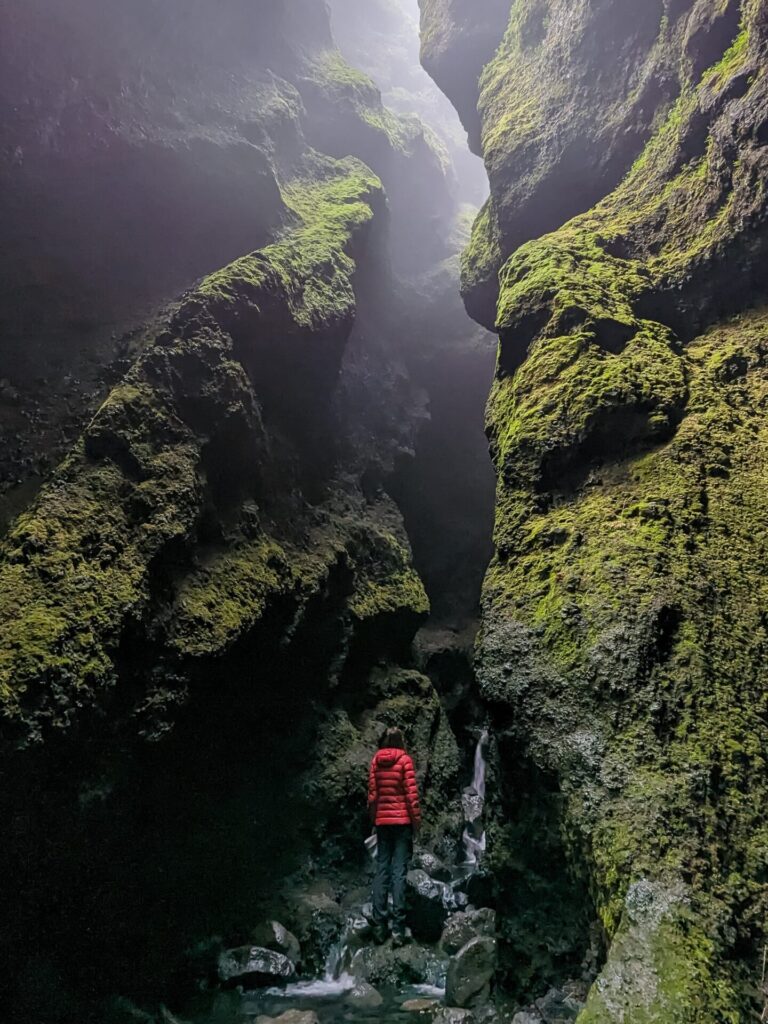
(346,116)
(622,634)
(348,739)
(456,42)
(80,565)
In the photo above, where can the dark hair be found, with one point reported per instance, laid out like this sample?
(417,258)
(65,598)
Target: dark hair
(392,738)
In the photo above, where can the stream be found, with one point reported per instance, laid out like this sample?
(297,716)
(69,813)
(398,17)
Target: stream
(344,993)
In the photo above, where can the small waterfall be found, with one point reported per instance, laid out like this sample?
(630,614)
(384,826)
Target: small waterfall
(478,780)
(473,803)
(336,978)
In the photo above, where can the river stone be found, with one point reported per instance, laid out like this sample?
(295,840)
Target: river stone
(453,1015)
(254,965)
(431,865)
(526,1018)
(409,965)
(429,904)
(470,972)
(466,925)
(273,935)
(290,1017)
(421,1005)
(317,920)
(365,996)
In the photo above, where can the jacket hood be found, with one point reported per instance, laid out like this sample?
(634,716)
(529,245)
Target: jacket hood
(388,755)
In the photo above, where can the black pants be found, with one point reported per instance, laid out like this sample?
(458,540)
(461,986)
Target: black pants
(394,845)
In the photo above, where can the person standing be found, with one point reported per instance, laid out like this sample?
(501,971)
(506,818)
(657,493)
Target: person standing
(393,805)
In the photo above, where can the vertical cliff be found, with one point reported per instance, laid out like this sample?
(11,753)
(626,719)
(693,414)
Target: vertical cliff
(208,590)
(622,257)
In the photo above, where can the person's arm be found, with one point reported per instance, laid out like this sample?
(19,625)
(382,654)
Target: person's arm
(373,795)
(411,792)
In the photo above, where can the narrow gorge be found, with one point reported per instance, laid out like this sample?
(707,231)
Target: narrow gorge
(372,364)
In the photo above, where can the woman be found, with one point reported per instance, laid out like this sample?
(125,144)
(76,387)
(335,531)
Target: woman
(393,804)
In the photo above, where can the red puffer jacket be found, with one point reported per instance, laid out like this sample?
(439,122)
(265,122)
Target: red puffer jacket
(393,796)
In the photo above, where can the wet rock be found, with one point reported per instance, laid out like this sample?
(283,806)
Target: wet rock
(410,965)
(526,1018)
(364,995)
(463,926)
(273,935)
(560,1005)
(479,888)
(453,1015)
(317,920)
(167,1017)
(431,865)
(470,973)
(254,965)
(490,1014)
(421,1005)
(430,903)
(290,1017)
(472,805)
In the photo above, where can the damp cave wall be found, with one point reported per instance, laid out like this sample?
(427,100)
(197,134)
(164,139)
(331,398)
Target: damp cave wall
(621,257)
(210,398)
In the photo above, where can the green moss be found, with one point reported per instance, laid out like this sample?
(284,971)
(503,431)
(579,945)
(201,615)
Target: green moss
(600,580)
(482,257)
(342,84)
(310,268)
(621,612)
(337,780)
(80,564)
(226,594)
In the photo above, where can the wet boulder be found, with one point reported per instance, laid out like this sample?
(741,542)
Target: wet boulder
(421,1006)
(429,904)
(479,888)
(317,920)
(453,1015)
(432,865)
(273,935)
(290,1017)
(470,973)
(465,925)
(562,1004)
(254,965)
(364,996)
(409,965)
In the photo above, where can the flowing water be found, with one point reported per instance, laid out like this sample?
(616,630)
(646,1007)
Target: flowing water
(334,997)
(473,801)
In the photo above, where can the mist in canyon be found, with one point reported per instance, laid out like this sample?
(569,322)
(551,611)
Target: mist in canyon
(373,364)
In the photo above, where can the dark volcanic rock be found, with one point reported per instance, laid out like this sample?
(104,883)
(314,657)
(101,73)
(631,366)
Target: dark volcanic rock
(628,438)
(409,965)
(453,1015)
(364,995)
(254,965)
(470,973)
(273,935)
(466,925)
(429,904)
(431,865)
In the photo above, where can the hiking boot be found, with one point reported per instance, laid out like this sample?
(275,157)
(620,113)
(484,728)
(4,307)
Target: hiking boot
(399,939)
